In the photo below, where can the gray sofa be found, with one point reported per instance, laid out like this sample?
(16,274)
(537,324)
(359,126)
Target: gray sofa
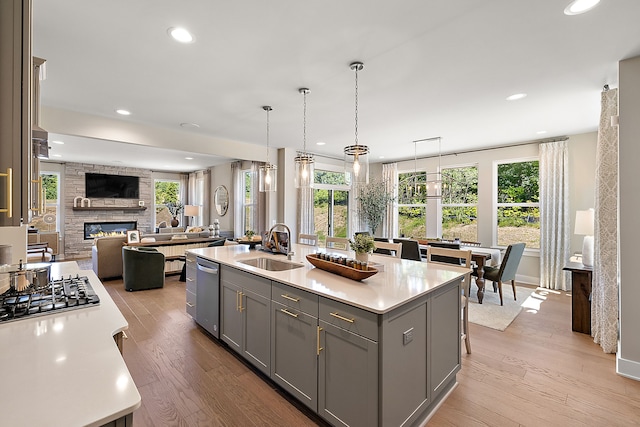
(106,253)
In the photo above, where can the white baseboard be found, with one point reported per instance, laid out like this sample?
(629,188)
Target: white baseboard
(627,368)
(528,280)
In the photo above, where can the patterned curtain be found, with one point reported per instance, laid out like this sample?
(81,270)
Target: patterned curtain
(604,292)
(390,177)
(554,214)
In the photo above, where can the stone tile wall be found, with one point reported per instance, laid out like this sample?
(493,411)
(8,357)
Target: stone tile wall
(74,244)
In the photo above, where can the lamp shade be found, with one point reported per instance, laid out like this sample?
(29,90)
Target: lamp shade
(192,210)
(584,223)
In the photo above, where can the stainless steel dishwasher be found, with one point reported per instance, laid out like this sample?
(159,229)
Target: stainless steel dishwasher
(208,295)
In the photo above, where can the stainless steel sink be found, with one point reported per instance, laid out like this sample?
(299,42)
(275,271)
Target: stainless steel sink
(270,264)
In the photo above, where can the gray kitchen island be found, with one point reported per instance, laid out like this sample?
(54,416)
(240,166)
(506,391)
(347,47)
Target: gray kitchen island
(383,351)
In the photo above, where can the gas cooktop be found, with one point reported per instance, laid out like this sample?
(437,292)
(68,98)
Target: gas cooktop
(58,295)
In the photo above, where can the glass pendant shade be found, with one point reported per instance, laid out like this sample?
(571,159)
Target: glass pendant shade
(356,164)
(268,179)
(305,170)
(434,185)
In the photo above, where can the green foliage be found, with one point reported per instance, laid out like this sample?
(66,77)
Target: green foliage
(373,199)
(517,216)
(518,182)
(166,192)
(460,185)
(362,243)
(50,185)
(412,221)
(328,177)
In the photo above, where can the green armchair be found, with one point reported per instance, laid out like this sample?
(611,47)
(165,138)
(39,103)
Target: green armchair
(142,268)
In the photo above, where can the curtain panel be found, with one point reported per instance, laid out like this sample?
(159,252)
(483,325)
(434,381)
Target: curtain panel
(554,215)
(237,198)
(305,211)
(390,177)
(604,292)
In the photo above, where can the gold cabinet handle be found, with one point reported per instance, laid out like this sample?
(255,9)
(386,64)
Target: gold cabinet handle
(40,202)
(9,209)
(285,296)
(241,307)
(336,315)
(318,348)
(237,300)
(190,305)
(285,311)
(124,335)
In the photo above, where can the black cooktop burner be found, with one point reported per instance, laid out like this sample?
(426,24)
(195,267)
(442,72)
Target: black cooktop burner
(59,295)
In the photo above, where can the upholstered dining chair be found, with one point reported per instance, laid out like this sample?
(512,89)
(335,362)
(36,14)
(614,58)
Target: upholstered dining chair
(506,271)
(410,249)
(337,243)
(395,249)
(461,258)
(308,239)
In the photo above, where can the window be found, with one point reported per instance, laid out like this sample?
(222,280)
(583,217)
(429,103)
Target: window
(49,219)
(460,203)
(330,205)
(412,205)
(249,202)
(166,191)
(518,207)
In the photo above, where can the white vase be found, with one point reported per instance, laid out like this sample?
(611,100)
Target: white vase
(363,257)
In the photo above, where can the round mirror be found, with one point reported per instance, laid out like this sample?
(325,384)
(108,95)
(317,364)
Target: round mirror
(221,200)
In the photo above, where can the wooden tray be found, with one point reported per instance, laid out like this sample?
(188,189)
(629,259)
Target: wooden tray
(342,270)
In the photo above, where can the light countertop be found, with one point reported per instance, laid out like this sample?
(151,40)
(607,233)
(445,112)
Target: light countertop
(64,369)
(400,282)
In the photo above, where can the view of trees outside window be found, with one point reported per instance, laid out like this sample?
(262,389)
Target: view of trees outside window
(330,205)
(50,187)
(459,203)
(166,191)
(412,204)
(250,203)
(518,204)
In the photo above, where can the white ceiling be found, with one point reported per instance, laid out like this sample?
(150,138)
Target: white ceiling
(431,68)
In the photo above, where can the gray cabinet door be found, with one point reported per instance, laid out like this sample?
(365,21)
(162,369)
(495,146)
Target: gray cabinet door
(207,297)
(444,338)
(230,315)
(347,378)
(191,285)
(294,360)
(256,313)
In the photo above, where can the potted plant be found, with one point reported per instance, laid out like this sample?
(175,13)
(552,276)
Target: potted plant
(363,245)
(374,199)
(175,208)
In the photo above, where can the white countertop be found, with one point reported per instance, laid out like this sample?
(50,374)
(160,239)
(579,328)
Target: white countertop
(400,282)
(64,369)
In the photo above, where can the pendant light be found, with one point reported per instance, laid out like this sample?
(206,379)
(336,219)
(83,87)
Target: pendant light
(304,160)
(268,179)
(356,157)
(434,179)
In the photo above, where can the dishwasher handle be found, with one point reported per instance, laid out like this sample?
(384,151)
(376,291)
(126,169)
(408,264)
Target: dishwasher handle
(210,270)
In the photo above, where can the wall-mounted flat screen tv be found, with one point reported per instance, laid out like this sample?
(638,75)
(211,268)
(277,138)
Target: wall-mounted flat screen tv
(100,185)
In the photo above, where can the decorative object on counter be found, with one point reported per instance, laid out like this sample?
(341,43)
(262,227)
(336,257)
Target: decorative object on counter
(82,201)
(304,160)
(133,236)
(363,245)
(268,180)
(175,208)
(356,157)
(345,267)
(584,226)
(214,228)
(250,238)
(373,199)
(221,199)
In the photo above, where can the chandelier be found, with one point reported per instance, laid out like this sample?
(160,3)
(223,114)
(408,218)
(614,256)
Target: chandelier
(304,160)
(268,179)
(356,159)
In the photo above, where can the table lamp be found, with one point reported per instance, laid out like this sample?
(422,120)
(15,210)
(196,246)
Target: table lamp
(191,211)
(584,226)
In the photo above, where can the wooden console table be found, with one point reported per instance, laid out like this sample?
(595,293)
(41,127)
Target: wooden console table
(581,277)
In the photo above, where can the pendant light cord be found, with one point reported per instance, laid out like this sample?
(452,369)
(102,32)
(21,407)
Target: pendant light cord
(304,121)
(356,70)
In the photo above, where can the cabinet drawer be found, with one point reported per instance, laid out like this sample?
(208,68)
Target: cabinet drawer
(256,284)
(347,317)
(190,259)
(191,284)
(191,304)
(295,298)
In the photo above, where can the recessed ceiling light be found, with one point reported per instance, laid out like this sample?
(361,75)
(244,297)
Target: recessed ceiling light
(516,96)
(188,158)
(189,125)
(576,7)
(541,132)
(56,155)
(58,142)
(180,34)
(381,157)
(320,143)
(123,112)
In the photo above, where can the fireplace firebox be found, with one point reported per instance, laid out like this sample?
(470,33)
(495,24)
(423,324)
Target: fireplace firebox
(110,228)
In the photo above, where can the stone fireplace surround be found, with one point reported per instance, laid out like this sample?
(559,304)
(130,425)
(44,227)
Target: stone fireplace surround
(102,209)
(107,228)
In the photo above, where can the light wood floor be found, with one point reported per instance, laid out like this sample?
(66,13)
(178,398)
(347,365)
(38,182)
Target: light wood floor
(536,373)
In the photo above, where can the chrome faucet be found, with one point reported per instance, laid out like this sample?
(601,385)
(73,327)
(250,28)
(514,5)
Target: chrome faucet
(278,248)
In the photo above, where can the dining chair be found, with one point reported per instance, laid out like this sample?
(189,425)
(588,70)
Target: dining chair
(337,243)
(395,249)
(463,258)
(410,249)
(506,271)
(308,239)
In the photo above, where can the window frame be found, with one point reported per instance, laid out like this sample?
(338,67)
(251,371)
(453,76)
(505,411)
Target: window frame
(474,205)
(253,204)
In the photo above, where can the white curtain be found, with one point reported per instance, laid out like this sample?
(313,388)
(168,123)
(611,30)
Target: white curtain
(356,223)
(305,211)
(390,177)
(554,215)
(199,189)
(236,201)
(604,290)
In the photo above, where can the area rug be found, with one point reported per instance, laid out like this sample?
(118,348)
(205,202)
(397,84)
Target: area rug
(490,313)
